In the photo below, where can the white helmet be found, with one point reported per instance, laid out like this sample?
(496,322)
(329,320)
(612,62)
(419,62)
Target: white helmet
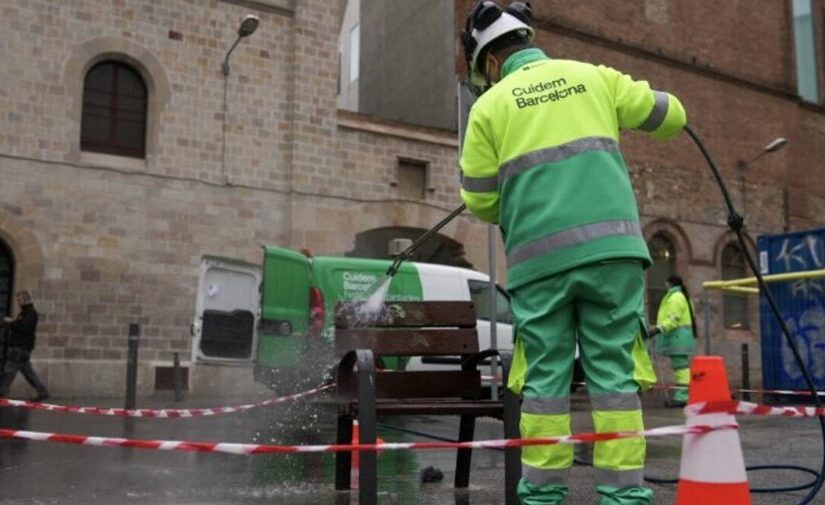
(488,22)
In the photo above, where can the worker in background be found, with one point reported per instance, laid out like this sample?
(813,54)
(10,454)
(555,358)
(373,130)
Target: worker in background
(675,333)
(541,159)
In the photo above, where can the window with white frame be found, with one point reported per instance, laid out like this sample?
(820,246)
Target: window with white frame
(354,52)
(807,70)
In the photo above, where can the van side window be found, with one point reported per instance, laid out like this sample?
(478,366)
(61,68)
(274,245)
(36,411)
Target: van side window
(480,294)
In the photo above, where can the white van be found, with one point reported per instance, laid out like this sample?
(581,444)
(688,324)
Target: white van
(280,317)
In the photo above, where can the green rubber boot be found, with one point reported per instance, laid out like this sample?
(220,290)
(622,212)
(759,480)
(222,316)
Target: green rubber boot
(551,494)
(625,495)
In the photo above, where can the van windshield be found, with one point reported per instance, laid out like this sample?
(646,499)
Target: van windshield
(480,294)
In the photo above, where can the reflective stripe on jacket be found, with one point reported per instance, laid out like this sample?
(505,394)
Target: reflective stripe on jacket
(541,158)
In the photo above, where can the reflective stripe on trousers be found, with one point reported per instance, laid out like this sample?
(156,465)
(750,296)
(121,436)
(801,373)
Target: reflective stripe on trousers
(618,463)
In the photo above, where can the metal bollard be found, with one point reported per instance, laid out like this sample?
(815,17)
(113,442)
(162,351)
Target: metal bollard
(746,375)
(176,376)
(131,366)
(706,307)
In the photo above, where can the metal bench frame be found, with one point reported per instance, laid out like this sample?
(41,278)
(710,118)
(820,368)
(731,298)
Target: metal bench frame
(365,391)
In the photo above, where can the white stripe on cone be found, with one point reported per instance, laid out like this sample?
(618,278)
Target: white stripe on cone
(714,457)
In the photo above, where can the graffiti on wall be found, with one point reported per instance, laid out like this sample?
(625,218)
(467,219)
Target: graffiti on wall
(802,303)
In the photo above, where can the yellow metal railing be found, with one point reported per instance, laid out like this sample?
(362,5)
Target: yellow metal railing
(746,284)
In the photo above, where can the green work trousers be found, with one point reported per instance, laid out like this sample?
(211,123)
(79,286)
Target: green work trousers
(599,305)
(681,374)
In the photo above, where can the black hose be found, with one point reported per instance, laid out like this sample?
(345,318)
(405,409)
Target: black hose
(788,489)
(736,223)
(428,435)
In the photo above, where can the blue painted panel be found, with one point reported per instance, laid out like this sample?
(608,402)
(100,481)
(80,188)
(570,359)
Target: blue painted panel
(802,304)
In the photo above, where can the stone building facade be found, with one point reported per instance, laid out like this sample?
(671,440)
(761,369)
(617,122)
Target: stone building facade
(104,240)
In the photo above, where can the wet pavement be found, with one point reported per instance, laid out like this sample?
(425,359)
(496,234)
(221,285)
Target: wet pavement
(55,473)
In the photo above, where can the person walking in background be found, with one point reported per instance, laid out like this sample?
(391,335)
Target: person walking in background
(541,159)
(21,334)
(675,333)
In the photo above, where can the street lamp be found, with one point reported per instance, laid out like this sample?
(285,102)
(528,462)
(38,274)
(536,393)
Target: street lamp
(775,145)
(247,28)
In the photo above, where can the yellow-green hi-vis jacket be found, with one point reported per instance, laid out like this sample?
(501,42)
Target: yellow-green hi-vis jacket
(675,325)
(541,158)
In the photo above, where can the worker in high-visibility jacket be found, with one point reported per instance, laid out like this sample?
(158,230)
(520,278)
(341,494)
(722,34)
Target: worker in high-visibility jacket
(541,159)
(675,333)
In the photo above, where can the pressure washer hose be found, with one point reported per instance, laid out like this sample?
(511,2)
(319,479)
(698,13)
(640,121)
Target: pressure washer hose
(405,255)
(736,222)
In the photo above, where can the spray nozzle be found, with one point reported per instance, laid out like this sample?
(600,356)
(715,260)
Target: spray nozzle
(395,266)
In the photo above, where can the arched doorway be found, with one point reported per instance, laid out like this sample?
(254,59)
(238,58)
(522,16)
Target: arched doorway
(439,249)
(6,278)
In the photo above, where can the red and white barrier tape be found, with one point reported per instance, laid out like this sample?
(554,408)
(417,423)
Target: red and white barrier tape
(248,449)
(789,392)
(158,413)
(782,392)
(729,407)
(734,407)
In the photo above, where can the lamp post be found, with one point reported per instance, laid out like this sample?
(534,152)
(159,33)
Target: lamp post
(247,28)
(775,145)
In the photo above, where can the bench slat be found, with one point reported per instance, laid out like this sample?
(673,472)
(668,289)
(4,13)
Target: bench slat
(412,342)
(414,314)
(427,384)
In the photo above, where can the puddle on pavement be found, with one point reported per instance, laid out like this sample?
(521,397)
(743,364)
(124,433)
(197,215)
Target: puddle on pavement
(51,472)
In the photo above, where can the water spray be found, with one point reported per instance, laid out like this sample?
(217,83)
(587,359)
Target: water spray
(370,308)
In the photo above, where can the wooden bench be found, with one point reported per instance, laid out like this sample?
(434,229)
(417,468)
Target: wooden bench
(365,390)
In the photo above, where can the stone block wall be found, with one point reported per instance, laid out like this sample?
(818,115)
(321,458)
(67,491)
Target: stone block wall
(104,241)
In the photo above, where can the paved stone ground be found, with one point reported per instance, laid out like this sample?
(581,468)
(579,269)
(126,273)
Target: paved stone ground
(51,473)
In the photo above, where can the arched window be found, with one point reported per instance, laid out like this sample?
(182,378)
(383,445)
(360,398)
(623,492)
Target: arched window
(735,305)
(114,110)
(663,252)
(6,278)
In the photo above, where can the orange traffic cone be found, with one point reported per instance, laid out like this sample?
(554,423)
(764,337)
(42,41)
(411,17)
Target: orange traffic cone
(712,471)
